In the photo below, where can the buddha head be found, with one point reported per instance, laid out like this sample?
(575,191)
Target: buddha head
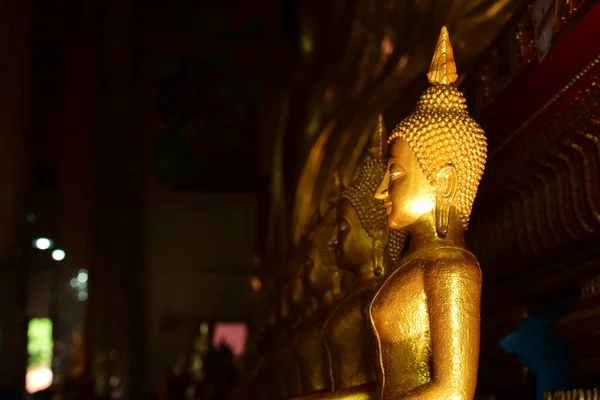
(320,265)
(436,155)
(363,237)
(321,274)
(301,301)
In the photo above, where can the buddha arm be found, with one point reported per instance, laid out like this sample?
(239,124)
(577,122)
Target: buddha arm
(454,295)
(362,392)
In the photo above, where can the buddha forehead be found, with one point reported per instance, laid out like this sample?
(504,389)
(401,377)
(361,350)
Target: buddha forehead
(400,152)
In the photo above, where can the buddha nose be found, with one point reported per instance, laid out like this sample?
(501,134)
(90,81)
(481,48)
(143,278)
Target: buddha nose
(382,190)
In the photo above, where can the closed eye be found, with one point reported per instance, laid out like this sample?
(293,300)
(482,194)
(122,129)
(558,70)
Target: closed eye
(394,175)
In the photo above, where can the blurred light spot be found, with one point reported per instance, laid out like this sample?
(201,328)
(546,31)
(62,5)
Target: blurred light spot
(232,335)
(402,63)
(40,348)
(58,255)
(82,296)
(30,218)
(307,44)
(38,379)
(387,47)
(42,243)
(82,276)
(114,381)
(256,283)
(204,328)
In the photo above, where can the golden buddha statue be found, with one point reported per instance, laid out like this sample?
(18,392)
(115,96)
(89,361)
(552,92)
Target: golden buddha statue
(366,248)
(322,281)
(426,316)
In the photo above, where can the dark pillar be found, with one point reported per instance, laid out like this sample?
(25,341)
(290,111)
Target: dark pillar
(75,124)
(116,307)
(14,52)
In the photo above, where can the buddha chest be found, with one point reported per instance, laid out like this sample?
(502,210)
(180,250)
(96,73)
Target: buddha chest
(348,339)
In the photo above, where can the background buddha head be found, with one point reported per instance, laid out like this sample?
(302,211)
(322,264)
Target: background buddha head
(320,265)
(303,301)
(321,273)
(437,154)
(363,236)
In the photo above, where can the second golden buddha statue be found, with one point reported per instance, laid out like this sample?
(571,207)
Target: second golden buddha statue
(366,248)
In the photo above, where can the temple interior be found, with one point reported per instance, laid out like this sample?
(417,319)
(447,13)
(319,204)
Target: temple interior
(269,199)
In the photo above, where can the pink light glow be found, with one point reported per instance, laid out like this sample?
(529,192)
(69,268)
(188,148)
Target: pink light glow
(38,379)
(232,334)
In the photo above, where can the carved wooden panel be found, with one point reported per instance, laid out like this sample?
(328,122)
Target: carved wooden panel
(546,199)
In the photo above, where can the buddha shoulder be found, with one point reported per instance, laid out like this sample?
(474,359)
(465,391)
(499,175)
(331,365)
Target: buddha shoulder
(442,264)
(453,263)
(348,315)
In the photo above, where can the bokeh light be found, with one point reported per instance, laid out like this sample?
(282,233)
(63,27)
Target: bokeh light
(58,255)
(42,243)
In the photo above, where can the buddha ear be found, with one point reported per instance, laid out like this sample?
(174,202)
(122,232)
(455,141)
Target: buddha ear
(380,239)
(380,236)
(446,185)
(445,192)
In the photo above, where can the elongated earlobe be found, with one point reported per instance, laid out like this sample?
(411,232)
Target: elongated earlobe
(380,239)
(441,219)
(446,185)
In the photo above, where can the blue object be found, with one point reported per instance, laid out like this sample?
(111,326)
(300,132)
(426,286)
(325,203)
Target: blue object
(537,348)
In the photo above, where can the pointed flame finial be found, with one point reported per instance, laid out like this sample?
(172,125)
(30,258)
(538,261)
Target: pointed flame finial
(377,143)
(443,68)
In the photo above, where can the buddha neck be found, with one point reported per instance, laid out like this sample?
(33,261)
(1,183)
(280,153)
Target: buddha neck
(423,234)
(365,275)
